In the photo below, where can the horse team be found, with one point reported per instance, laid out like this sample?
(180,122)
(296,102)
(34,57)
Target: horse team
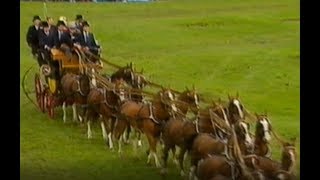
(216,138)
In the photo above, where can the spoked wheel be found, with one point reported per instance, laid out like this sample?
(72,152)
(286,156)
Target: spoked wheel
(50,104)
(39,93)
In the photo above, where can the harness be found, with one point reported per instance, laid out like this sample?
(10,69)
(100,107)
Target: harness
(79,87)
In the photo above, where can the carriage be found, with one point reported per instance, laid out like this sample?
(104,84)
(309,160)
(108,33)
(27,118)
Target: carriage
(47,81)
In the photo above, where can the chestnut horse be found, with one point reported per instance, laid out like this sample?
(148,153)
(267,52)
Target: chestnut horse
(179,132)
(262,136)
(244,137)
(137,81)
(105,102)
(205,144)
(75,89)
(235,109)
(146,118)
(273,169)
(172,134)
(230,166)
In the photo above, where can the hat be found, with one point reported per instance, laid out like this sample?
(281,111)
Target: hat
(36,17)
(72,24)
(85,23)
(78,17)
(44,24)
(60,23)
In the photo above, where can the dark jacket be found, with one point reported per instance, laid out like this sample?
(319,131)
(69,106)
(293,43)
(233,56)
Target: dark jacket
(76,38)
(33,37)
(89,42)
(65,38)
(46,39)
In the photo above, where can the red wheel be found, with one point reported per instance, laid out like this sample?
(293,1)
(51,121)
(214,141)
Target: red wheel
(39,93)
(50,105)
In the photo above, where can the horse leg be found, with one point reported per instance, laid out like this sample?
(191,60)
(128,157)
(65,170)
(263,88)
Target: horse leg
(165,159)
(118,131)
(192,172)
(181,158)
(153,150)
(139,139)
(89,129)
(127,134)
(74,110)
(110,135)
(104,131)
(174,156)
(80,116)
(64,112)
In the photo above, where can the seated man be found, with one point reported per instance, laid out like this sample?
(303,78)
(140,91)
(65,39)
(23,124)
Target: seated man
(46,41)
(79,20)
(32,36)
(75,34)
(62,37)
(88,41)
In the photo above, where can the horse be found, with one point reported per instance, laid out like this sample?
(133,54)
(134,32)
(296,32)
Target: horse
(137,81)
(179,132)
(229,166)
(188,99)
(244,137)
(105,102)
(208,118)
(172,134)
(273,169)
(147,118)
(262,136)
(205,143)
(235,109)
(75,89)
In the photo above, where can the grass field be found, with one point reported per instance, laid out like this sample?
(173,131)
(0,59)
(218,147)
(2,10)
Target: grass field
(220,46)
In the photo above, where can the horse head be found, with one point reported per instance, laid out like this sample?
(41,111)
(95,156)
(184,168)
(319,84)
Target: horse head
(126,73)
(191,97)
(139,81)
(120,89)
(167,97)
(288,156)
(242,130)
(263,127)
(235,108)
(220,110)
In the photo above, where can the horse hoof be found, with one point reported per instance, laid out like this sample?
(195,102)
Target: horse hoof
(164,171)
(182,173)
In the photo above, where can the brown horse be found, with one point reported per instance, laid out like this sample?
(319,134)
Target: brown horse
(147,118)
(230,166)
(244,137)
(179,132)
(75,89)
(172,134)
(208,118)
(205,144)
(262,136)
(273,169)
(235,109)
(216,167)
(137,81)
(188,99)
(104,102)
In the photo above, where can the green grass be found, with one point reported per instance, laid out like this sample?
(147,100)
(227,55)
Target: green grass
(220,46)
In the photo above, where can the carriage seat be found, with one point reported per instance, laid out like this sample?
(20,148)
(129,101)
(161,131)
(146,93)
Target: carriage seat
(65,61)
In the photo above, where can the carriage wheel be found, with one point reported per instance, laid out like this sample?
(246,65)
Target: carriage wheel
(39,93)
(50,104)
